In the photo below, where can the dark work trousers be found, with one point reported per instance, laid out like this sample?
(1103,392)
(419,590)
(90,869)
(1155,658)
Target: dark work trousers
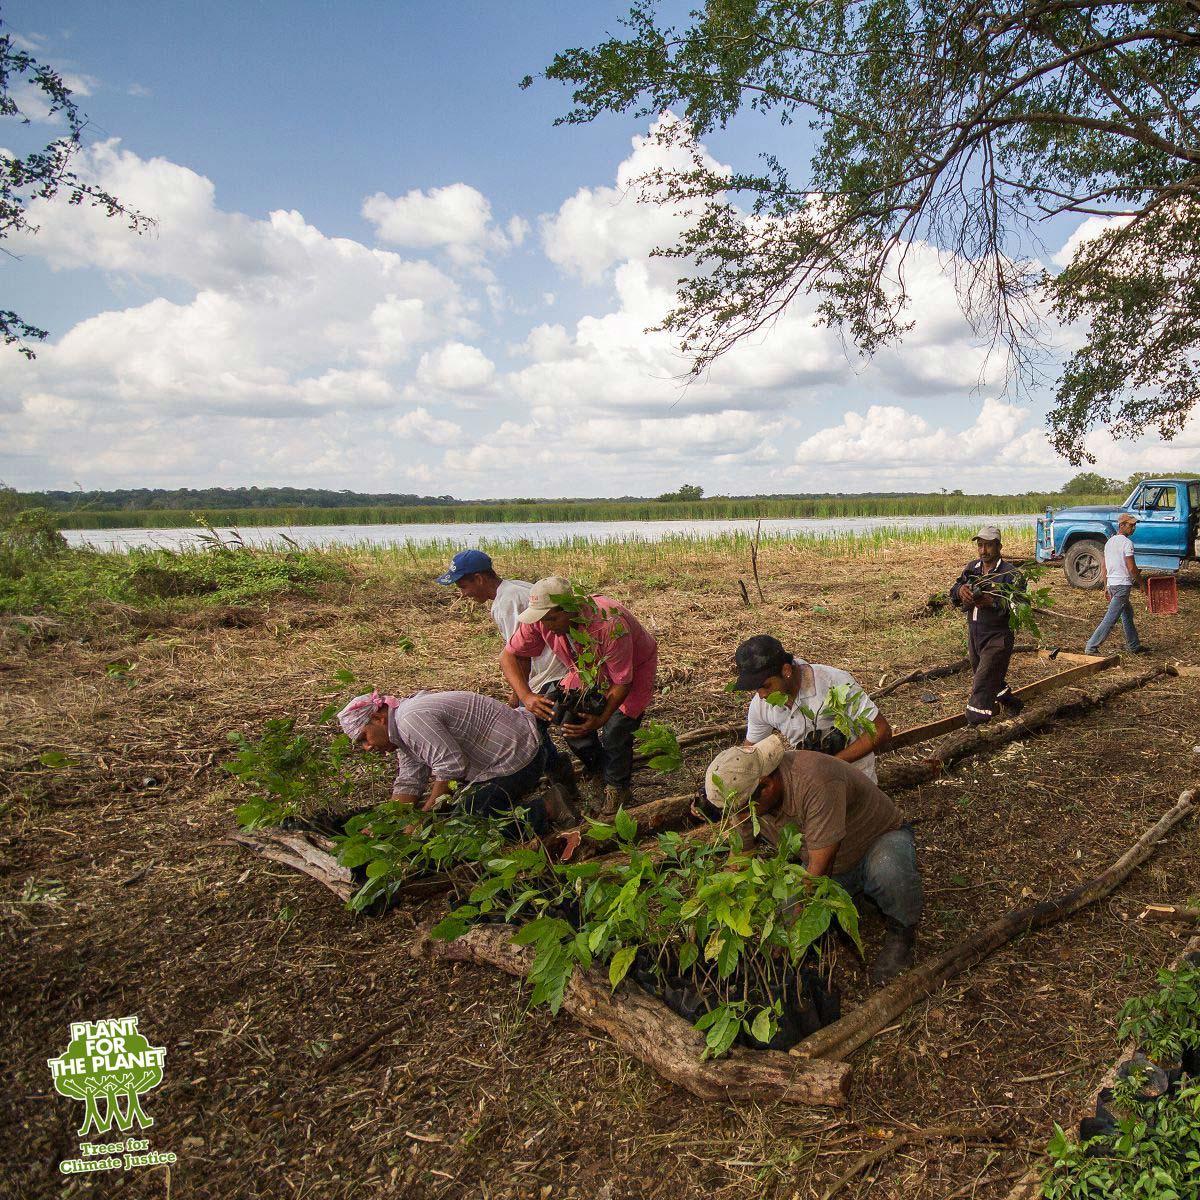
(496,797)
(989,650)
(554,760)
(609,751)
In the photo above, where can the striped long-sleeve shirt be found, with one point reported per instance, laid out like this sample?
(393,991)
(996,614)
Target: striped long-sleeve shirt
(460,736)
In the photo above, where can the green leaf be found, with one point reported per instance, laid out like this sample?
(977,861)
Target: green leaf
(449,928)
(354,854)
(620,964)
(760,1030)
(542,929)
(727,958)
(626,826)
(810,925)
(344,677)
(54,759)
(688,953)
(378,867)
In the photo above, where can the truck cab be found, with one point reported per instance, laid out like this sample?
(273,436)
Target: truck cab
(1167,512)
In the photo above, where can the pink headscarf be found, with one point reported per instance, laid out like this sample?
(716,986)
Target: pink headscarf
(355,717)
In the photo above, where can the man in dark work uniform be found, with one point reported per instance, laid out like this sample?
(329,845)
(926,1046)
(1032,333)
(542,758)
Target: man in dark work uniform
(979,593)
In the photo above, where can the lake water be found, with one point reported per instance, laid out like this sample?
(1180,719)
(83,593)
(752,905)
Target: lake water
(540,533)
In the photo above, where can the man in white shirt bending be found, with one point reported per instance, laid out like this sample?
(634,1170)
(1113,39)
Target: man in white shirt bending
(471,571)
(767,669)
(1121,575)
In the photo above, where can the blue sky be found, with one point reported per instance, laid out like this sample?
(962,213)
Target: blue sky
(380,266)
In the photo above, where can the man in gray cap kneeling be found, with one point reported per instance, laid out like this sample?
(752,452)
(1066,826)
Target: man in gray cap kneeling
(979,592)
(851,831)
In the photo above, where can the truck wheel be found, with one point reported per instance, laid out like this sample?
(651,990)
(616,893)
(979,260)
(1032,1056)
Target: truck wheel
(1083,564)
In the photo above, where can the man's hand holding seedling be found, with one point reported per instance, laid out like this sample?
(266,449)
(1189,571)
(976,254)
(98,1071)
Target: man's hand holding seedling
(541,706)
(590,724)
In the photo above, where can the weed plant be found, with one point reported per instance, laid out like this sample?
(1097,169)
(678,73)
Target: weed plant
(1166,1022)
(78,582)
(710,916)
(290,774)
(1153,1153)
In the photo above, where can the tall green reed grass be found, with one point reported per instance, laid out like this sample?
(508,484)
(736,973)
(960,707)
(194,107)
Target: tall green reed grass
(600,510)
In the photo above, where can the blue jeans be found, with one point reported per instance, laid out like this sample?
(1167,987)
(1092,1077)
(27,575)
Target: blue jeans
(496,797)
(888,875)
(1118,606)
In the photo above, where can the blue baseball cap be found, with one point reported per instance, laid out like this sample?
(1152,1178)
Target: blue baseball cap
(465,562)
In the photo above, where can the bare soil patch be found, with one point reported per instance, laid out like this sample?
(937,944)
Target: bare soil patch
(251,975)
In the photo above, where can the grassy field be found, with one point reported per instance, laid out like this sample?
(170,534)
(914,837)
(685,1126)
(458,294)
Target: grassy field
(935,504)
(120,894)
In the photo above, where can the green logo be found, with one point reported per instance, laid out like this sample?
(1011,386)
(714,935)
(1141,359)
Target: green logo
(108,1066)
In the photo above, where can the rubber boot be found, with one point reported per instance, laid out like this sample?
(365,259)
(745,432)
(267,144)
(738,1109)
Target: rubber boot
(1014,704)
(896,953)
(616,796)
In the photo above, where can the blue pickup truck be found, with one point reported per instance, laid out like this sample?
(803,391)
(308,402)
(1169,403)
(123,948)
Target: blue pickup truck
(1167,512)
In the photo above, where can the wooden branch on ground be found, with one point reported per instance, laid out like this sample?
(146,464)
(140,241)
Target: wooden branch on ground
(643,1027)
(895,777)
(1053,612)
(1029,1186)
(923,733)
(303,851)
(1179,914)
(959,664)
(972,1135)
(843,1037)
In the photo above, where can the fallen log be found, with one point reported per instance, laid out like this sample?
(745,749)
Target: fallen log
(1029,1186)
(643,1027)
(843,1037)
(895,777)
(303,851)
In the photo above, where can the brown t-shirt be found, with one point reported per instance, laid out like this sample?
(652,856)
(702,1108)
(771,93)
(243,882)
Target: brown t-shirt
(829,802)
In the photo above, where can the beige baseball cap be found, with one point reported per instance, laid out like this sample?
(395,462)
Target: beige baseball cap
(740,771)
(989,533)
(541,598)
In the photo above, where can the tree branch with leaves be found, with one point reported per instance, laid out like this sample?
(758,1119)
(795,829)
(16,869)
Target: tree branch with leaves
(44,173)
(962,124)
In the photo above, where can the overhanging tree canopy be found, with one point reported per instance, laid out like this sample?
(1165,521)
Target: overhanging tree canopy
(43,172)
(961,123)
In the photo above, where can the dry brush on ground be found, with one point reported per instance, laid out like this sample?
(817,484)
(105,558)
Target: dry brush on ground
(119,894)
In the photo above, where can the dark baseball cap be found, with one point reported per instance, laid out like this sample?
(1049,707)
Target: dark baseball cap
(757,659)
(465,562)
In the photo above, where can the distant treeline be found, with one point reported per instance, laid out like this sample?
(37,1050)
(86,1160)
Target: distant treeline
(205,499)
(509,511)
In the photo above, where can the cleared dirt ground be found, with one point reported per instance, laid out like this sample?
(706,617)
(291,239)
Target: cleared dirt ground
(250,975)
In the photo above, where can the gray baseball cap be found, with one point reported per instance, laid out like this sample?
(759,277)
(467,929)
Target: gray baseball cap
(989,533)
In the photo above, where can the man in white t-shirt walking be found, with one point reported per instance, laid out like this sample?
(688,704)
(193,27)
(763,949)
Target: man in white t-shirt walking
(1121,575)
(767,669)
(472,572)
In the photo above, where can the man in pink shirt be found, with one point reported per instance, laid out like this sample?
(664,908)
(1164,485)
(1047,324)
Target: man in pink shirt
(627,658)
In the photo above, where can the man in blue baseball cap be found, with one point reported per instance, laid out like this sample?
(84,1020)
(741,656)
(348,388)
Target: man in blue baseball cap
(472,572)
